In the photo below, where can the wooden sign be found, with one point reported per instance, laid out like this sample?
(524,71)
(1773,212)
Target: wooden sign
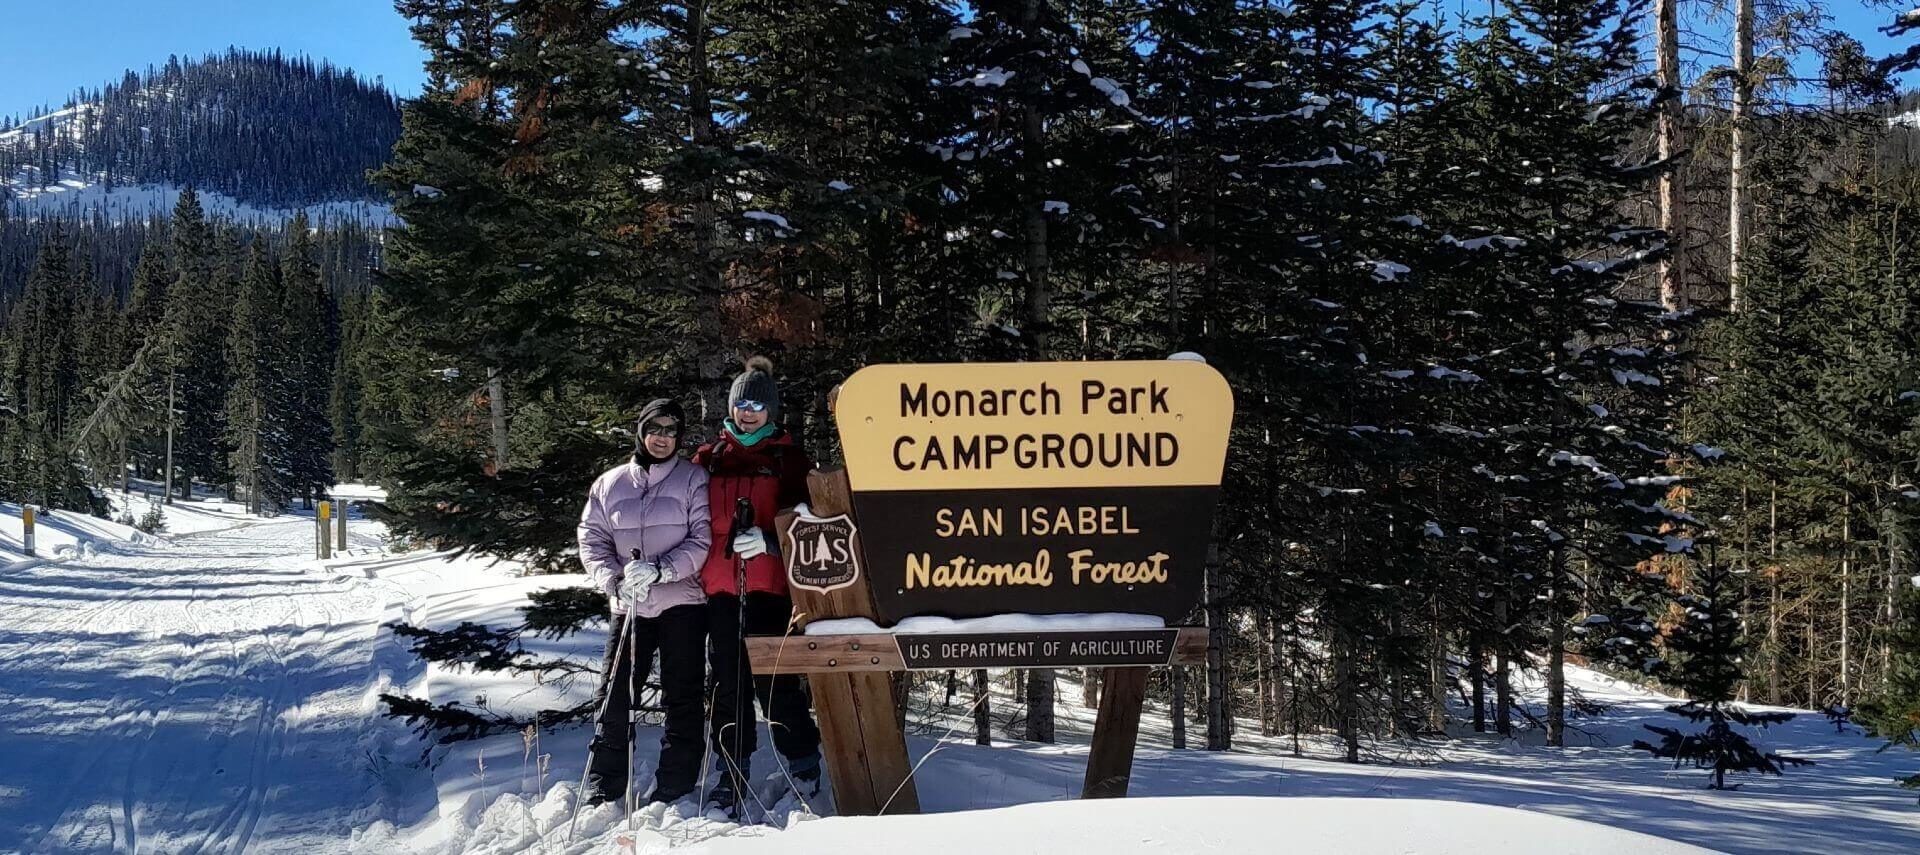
(1038,488)
(823,553)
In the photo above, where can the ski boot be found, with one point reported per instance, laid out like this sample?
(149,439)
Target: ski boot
(723,801)
(806,777)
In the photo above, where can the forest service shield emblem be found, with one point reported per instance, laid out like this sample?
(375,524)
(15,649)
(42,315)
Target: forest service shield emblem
(825,553)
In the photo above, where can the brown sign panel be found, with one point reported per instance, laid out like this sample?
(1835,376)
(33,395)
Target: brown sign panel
(823,554)
(1100,648)
(1039,488)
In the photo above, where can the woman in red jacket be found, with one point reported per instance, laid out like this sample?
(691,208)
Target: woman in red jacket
(753,459)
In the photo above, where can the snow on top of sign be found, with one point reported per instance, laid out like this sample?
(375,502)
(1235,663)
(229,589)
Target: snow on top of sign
(994,623)
(368,492)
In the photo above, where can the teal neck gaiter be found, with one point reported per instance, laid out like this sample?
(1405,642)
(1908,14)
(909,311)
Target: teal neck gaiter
(748,439)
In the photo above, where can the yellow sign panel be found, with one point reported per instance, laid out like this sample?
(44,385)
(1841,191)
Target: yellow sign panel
(980,426)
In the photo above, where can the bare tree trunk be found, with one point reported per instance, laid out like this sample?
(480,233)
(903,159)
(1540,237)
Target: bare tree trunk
(253,466)
(1436,672)
(1813,665)
(1746,581)
(1846,598)
(1502,681)
(1557,653)
(1034,187)
(1090,688)
(166,485)
(497,408)
(1887,621)
(1774,687)
(1737,158)
(1218,706)
(1179,710)
(1263,679)
(1040,705)
(1282,689)
(982,716)
(1477,672)
(1346,701)
(1672,201)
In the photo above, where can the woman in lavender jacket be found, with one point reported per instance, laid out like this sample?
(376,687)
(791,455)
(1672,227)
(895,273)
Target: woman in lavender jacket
(643,535)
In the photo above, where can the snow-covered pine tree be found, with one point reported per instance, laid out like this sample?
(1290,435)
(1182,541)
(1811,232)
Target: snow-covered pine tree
(1704,647)
(565,237)
(42,382)
(302,364)
(194,329)
(250,400)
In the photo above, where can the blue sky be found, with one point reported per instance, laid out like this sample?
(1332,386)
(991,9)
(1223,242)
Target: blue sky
(55,46)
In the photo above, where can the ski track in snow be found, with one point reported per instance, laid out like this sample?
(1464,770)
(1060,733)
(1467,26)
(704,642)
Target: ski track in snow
(189,697)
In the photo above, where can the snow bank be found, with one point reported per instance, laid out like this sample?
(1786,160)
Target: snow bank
(995,623)
(1197,825)
(61,535)
(1222,824)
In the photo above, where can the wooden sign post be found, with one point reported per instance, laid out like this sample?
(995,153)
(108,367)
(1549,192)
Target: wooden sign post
(979,490)
(27,519)
(320,520)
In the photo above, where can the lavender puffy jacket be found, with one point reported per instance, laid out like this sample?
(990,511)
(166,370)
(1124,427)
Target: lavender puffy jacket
(660,510)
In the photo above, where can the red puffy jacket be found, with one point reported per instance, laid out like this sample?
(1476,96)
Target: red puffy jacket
(772,474)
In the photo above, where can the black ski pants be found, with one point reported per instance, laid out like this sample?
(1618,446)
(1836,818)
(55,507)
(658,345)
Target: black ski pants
(678,635)
(783,697)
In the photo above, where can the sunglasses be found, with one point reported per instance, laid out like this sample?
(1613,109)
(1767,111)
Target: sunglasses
(661,430)
(750,406)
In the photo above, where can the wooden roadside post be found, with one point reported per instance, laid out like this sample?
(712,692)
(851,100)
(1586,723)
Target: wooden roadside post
(1123,691)
(341,545)
(860,735)
(27,518)
(320,518)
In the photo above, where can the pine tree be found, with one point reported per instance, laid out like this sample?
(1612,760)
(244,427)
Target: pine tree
(194,331)
(259,449)
(552,232)
(1893,713)
(302,367)
(42,381)
(1705,649)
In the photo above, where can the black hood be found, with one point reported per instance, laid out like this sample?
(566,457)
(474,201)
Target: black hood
(654,409)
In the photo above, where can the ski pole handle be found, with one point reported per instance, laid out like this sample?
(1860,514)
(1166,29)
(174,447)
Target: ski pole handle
(742,520)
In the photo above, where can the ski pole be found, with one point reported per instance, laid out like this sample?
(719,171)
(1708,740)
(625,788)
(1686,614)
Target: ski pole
(606,685)
(633,652)
(743,688)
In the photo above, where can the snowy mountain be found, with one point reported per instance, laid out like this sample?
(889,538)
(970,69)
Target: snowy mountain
(257,134)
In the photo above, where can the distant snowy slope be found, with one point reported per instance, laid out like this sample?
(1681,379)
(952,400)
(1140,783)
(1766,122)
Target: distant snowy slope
(259,135)
(75,196)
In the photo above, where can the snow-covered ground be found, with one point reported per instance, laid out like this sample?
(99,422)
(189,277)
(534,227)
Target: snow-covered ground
(215,690)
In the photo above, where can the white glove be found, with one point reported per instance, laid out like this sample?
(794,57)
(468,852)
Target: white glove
(751,543)
(638,579)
